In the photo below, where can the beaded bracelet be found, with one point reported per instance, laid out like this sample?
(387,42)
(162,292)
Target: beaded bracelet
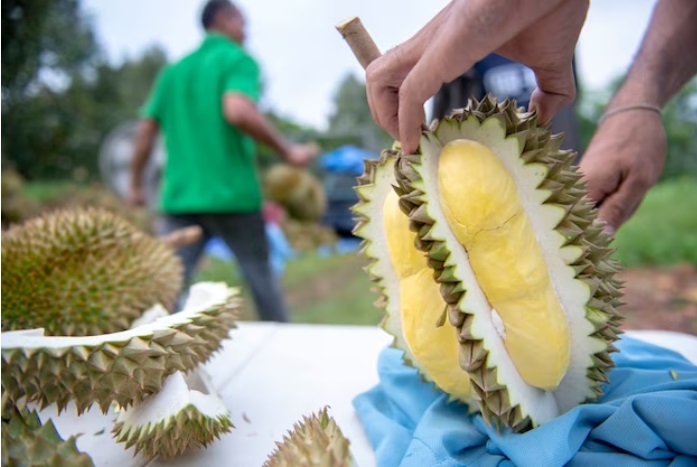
(624,108)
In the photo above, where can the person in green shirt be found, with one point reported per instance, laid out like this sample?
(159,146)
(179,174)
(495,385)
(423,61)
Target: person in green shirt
(205,106)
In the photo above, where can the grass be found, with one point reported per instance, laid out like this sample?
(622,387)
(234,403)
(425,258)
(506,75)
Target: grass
(44,191)
(329,290)
(664,229)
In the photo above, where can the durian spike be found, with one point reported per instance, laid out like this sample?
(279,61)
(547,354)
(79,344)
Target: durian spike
(316,441)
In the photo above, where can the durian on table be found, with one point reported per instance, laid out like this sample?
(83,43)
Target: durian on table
(93,257)
(314,441)
(496,277)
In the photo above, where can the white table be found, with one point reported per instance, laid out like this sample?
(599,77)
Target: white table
(270,375)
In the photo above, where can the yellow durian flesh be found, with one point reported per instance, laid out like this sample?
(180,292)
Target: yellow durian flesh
(483,208)
(421,306)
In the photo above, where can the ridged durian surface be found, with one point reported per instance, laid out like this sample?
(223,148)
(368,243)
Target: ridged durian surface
(83,272)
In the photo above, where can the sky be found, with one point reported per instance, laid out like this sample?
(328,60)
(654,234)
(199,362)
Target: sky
(303,57)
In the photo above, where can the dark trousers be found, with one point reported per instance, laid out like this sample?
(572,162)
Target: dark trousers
(245,235)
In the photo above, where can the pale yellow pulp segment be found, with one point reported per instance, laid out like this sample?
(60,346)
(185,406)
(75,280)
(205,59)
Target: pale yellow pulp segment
(482,205)
(435,348)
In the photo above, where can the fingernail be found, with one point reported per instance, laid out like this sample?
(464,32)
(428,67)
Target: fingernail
(609,229)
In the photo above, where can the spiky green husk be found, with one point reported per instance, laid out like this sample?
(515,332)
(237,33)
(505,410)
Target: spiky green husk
(374,184)
(187,427)
(316,441)
(123,367)
(28,442)
(83,272)
(579,226)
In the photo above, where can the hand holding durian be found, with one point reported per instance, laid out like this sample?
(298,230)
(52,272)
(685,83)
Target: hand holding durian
(495,274)
(626,155)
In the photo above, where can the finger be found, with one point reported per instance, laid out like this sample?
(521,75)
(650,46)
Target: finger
(382,98)
(555,90)
(600,179)
(620,205)
(416,89)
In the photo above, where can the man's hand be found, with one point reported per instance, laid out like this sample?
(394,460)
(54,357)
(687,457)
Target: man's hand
(624,159)
(300,155)
(541,34)
(136,197)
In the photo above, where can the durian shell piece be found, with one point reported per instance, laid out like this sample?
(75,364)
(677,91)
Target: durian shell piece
(28,442)
(83,272)
(316,441)
(123,367)
(188,427)
(580,226)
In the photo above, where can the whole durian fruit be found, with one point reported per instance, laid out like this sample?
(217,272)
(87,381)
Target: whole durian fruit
(83,272)
(316,441)
(297,190)
(527,287)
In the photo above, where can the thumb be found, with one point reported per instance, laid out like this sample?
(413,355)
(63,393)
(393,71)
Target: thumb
(619,206)
(555,90)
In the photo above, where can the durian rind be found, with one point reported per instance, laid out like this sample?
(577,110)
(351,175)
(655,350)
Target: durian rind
(175,420)
(556,191)
(123,367)
(373,187)
(316,441)
(82,272)
(28,442)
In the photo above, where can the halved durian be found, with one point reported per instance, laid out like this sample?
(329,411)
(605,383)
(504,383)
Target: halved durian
(123,367)
(522,261)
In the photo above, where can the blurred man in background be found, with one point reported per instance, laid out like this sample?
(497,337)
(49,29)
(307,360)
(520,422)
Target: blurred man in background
(205,105)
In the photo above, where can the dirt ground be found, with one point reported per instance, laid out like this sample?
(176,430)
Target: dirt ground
(661,298)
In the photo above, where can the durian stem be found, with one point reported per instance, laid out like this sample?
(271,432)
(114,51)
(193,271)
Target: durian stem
(362,45)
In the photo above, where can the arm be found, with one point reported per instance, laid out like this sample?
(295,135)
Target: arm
(399,82)
(626,156)
(243,114)
(144,142)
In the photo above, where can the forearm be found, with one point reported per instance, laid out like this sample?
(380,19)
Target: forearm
(667,58)
(243,114)
(144,142)
(257,126)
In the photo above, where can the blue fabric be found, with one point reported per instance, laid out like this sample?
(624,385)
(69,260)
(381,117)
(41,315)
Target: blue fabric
(645,418)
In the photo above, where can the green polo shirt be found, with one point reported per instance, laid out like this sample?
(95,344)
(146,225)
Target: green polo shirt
(210,165)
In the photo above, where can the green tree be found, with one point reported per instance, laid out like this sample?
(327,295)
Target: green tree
(60,97)
(352,121)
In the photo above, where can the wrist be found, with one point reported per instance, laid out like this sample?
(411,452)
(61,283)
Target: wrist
(632,92)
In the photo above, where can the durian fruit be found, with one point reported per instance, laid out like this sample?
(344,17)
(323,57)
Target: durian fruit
(414,311)
(83,272)
(28,442)
(297,190)
(185,415)
(316,441)
(123,367)
(522,262)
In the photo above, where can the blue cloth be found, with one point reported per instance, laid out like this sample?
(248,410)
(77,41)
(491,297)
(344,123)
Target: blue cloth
(645,418)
